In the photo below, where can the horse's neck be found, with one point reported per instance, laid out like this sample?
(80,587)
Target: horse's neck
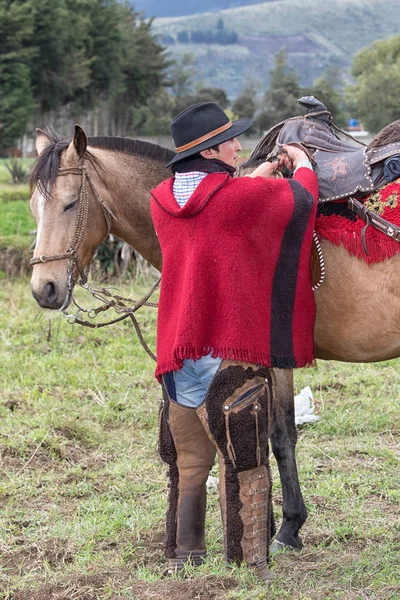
(128,180)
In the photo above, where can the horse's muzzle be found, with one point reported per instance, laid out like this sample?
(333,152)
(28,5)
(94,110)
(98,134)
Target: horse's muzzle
(51,295)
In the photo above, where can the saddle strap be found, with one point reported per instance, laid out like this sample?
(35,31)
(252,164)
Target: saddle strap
(370,218)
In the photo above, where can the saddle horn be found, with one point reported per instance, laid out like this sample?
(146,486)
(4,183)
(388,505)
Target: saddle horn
(316,109)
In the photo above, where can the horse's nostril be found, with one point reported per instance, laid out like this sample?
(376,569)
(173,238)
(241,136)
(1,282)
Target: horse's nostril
(50,291)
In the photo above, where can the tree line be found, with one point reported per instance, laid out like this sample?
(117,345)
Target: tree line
(101,58)
(221,36)
(372,98)
(78,54)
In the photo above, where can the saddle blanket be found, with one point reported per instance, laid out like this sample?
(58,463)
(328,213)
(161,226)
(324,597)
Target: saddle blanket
(339,225)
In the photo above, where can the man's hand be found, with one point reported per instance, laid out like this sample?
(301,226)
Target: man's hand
(266,169)
(290,156)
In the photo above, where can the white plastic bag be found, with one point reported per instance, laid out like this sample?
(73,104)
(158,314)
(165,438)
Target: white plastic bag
(304,407)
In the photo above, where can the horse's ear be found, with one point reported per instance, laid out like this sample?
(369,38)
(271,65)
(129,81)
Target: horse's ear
(80,141)
(42,140)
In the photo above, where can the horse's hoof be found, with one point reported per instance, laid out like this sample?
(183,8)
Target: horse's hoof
(278,546)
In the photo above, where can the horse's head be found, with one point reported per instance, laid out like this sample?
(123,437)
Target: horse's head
(71,221)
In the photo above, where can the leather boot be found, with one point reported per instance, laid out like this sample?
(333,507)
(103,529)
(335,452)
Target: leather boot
(186,447)
(235,415)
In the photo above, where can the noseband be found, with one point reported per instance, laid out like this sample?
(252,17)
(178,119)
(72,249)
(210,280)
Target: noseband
(109,300)
(81,221)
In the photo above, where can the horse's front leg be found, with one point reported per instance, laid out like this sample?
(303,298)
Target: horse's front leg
(283,437)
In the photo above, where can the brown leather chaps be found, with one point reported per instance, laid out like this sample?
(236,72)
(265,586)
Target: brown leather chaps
(232,420)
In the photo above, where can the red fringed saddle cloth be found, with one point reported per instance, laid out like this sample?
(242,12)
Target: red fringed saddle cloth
(337,224)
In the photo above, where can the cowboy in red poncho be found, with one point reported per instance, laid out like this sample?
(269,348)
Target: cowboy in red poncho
(236,299)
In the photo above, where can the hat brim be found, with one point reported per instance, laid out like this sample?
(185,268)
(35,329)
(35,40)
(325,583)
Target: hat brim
(238,127)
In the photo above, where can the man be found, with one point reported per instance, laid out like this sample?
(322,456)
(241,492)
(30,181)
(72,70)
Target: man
(236,299)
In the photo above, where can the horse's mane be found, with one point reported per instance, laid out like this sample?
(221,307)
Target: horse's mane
(387,135)
(45,169)
(133,146)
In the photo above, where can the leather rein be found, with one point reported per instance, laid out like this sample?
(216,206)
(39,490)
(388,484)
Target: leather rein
(109,300)
(371,218)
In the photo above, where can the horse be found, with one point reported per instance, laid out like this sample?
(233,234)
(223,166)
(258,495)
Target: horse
(85,188)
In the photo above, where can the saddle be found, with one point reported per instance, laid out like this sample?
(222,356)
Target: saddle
(344,166)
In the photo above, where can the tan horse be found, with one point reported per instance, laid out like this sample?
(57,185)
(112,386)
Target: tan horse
(358,306)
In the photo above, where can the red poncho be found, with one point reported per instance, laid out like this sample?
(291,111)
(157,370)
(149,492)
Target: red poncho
(236,277)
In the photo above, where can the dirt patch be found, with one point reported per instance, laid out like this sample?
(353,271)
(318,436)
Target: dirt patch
(32,558)
(325,539)
(99,586)
(323,503)
(10,458)
(52,456)
(13,404)
(13,399)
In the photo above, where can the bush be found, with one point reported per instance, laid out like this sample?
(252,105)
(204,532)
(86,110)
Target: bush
(17,170)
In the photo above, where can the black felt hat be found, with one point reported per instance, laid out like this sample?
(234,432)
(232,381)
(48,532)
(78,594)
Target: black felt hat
(202,126)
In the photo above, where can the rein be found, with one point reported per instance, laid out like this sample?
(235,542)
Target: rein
(371,218)
(102,294)
(116,302)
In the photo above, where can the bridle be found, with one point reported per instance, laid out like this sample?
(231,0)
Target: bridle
(81,221)
(108,300)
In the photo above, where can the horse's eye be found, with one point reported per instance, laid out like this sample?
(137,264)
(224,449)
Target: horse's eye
(70,205)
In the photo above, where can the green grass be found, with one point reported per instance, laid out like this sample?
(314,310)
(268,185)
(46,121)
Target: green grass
(16,223)
(83,493)
(16,220)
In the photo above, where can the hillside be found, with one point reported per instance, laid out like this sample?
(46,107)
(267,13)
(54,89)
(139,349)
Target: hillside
(315,35)
(173,8)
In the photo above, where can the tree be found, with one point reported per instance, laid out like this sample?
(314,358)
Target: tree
(16,100)
(210,94)
(57,59)
(225,37)
(180,81)
(79,56)
(96,55)
(244,107)
(156,116)
(280,99)
(376,91)
(328,88)
(245,104)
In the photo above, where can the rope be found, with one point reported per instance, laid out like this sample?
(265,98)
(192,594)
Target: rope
(321,261)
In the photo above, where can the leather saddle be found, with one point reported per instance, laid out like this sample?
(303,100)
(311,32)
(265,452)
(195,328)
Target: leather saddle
(344,166)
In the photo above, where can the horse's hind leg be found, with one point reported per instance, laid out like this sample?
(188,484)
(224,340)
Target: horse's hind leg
(283,436)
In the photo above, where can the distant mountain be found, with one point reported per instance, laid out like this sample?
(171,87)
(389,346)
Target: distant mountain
(316,35)
(176,8)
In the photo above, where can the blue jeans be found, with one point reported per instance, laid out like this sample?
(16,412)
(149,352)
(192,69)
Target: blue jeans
(193,380)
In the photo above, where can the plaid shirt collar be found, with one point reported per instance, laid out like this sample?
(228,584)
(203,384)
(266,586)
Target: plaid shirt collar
(185,184)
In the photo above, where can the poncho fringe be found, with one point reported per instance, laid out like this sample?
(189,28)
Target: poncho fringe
(181,353)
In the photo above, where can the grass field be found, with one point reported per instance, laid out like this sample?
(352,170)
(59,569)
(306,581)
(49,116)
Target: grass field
(16,220)
(83,493)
